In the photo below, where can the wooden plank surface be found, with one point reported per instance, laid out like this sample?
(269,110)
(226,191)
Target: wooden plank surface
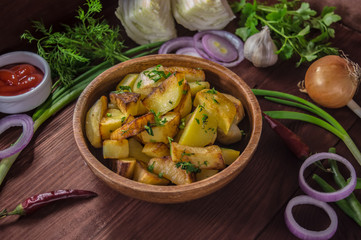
(250,207)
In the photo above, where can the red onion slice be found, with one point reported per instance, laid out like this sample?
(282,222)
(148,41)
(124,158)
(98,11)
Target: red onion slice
(190,51)
(233,39)
(303,233)
(176,43)
(219,48)
(331,196)
(28,130)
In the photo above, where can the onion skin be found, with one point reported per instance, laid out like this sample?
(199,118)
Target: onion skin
(330,82)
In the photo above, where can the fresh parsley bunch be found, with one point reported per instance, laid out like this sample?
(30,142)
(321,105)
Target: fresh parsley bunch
(295,27)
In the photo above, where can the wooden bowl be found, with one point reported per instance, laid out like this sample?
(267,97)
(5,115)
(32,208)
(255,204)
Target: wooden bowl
(223,79)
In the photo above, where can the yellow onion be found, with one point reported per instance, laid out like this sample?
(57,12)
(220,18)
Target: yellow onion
(332,81)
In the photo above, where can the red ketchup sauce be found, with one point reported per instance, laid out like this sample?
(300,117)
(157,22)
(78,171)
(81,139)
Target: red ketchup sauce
(18,79)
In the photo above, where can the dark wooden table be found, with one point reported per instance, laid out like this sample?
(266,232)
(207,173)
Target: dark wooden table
(250,207)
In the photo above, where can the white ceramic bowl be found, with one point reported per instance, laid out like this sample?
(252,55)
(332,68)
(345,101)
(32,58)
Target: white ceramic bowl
(33,98)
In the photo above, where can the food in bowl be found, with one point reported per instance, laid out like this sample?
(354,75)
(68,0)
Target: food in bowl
(166,126)
(221,78)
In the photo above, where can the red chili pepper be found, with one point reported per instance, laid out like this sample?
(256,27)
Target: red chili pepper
(35,202)
(291,139)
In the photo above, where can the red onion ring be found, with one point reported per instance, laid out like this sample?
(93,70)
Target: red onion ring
(208,41)
(190,51)
(331,196)
(237,43)
(175,44)
(28,130)
(303,233)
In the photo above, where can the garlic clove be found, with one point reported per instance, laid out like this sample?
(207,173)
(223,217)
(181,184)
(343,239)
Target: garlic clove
(260,49)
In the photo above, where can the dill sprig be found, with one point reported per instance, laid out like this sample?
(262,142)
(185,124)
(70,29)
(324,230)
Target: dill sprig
(75,49)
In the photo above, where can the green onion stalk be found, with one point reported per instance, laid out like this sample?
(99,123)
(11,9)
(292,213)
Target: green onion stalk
(350,205)
(71,55)
(323,120)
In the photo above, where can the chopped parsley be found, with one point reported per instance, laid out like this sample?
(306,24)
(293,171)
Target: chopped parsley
(158,120)
(149,129)
(182,123)
(212,91)
(123,119)
(155,74)
(109,114)
(160,174)
(205,119)
(122,89)
(151,167)
(170,140)
(181,82)
(188,166)
(139,83)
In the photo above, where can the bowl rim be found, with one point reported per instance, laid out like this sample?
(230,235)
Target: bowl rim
(43,66)
(237,166)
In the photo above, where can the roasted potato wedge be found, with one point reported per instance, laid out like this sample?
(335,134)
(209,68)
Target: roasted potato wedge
(229,155)
(239,108)
(128,103)
(156,149)
(234,135)
(113,119)
(200,130)
(148,80)
(198,86)
(141,174)
(206,173)
(124,167)
(168,128)
(167,95)
(190,74)
(133,128)
(185,105)
(128,81)
(92,121)
(166,167)
(218,106)
(135,150)
(202,157)
(115,149)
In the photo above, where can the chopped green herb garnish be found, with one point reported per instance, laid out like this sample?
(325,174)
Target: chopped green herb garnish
(181,82)
(212,91)
(197,120)
(139,84)
(188,166)
(170,140)
(204,119)
(160,175)
(185,92)
(170,102)
(197,82)
(182,123)
(215,100)
(158,120)
(155,74)
(123,119)
(151,167)
(109,114)
(149,129)
(122,89)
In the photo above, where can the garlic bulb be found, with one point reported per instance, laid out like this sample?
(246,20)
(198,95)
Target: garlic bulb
(260,49)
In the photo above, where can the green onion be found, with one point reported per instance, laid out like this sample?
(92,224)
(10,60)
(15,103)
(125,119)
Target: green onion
(325,121)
